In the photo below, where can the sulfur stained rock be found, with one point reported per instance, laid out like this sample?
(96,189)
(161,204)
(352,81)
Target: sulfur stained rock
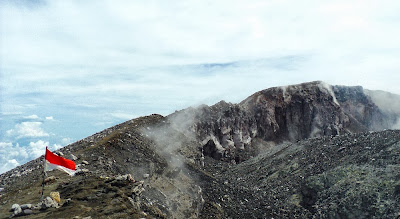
(55,196)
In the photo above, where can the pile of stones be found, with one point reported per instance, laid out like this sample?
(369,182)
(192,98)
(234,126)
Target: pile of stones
(27,209)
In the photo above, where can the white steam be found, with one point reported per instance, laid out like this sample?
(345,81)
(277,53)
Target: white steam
(173,142)
(397,124)
(174,137)
(389,103)
(328,88)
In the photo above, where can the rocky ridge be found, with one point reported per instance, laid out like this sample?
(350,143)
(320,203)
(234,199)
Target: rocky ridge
(280,114)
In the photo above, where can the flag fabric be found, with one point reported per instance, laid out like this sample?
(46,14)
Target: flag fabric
(54,161)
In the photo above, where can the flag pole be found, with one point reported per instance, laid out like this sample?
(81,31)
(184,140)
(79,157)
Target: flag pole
(44,174)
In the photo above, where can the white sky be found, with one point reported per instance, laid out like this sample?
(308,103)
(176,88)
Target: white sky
(71,68)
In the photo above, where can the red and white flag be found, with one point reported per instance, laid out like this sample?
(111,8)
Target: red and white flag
(54,161)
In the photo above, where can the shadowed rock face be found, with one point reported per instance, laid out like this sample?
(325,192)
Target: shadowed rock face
(362,110)
(288,113)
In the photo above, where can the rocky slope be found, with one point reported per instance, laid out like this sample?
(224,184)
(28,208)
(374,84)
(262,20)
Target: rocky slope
(303,151)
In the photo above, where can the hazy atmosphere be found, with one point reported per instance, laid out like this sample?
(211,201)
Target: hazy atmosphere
(69,69)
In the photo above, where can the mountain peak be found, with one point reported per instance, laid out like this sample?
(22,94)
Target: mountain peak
(288,113)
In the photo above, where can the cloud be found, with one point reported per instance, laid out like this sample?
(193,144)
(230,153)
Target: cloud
(124,116)
(4,145)
(127,42)
(182,33)
(397,125)
(66,141)
(12,155)
(32,117)
(8,165)
(28,129)
(37,149)
(49,118)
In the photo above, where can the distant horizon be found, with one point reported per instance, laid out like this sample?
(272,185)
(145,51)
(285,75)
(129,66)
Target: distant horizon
(69,69)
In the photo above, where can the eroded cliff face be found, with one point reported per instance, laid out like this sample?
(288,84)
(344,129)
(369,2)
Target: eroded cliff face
(280,114)
(362,109)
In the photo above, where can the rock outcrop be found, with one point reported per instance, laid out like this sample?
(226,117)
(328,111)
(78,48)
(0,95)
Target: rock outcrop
(281,114)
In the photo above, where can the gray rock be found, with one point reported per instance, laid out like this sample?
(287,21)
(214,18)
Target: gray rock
(73,157)
(131,201)
(67,202)
(48,203)
(115,201)
(81,171)
(17,211)
(37,206)
(27,212)
(127,177)
(50,179)
(26,206)
(15,206)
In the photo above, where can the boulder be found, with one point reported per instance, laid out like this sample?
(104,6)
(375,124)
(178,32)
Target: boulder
(73,157)
(55,196)
(48,203)
(27,212)
(127,177)
(15,206)
(60,153)
(81,171)
(50,179)
(17,211)
(26,206)
(67,202)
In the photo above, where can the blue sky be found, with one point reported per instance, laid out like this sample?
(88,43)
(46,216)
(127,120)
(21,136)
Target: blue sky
(69,69)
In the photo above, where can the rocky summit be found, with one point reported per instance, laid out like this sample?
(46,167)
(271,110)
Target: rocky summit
(303,151)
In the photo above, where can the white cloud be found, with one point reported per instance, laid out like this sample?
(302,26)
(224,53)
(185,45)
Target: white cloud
(397,125)
(9,164)
(55,147)
(5,145)
(31,117)
(12,155)
(37,148)
(66,141)
(121,115)
(10,113)
(135,35)
(28,129)
(49,118)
